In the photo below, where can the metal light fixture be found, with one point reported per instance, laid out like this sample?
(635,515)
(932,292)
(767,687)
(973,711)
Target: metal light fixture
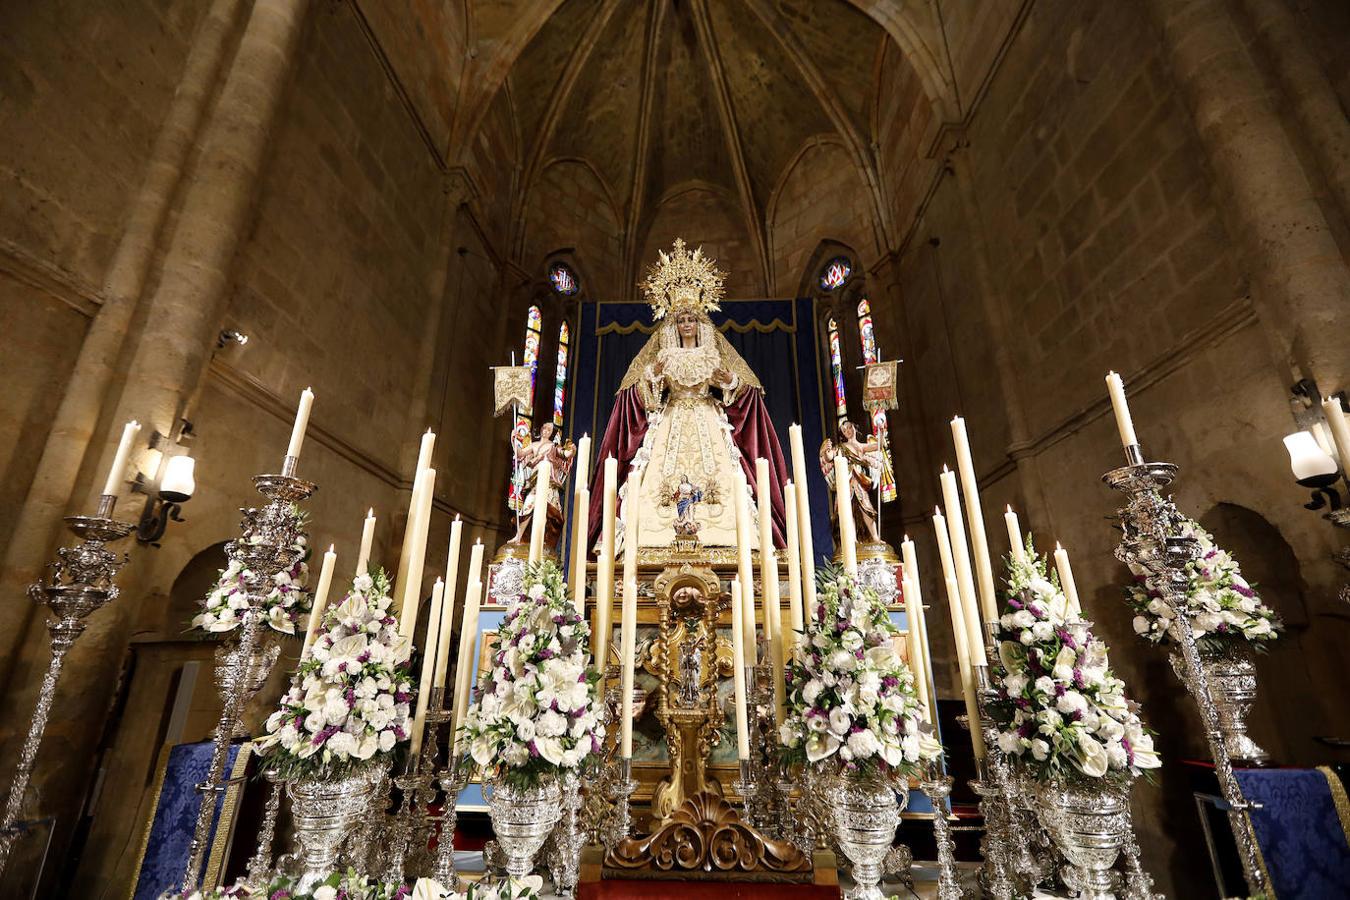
(1319,453)
(172,486)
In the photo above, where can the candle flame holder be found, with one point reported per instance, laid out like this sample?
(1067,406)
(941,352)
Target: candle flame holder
(1153,541)
(81,582)
(265,546)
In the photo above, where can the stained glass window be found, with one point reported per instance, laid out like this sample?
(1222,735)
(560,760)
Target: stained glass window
(880,426)
(869,338)
(563,279)
(520,434)
(837,370)
(560,382)
(835,273)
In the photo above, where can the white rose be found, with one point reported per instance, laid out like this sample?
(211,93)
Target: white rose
(851,640)
(536,591)
(840,721)
(1039,749)
(1045,685)
(812,691)
(1042,631)
(325,892)
(1141,625)
(1009,742)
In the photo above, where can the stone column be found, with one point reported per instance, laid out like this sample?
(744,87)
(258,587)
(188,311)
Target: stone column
(39,527)
(1315,105)
(996,319)
(1303,284)
(179,332)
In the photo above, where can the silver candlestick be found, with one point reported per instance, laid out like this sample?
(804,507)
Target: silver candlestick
(1153,542)
(998,845)
(81,582)
(624,786)
(261,863)
(937,787)
(266,546)
(452,782)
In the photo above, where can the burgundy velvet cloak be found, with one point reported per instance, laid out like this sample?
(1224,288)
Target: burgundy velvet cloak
(754,437)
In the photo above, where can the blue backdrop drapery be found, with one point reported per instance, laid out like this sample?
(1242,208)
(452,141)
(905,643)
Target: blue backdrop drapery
(778,340)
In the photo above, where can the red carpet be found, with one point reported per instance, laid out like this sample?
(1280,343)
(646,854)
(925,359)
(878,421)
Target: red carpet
(703,890)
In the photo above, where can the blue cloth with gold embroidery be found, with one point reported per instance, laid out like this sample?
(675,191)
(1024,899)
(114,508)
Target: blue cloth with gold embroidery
(176,807)
(1301,834)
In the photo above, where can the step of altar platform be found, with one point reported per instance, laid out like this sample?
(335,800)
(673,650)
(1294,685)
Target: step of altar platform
(615,889)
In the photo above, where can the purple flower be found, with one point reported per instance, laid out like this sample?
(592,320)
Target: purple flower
(534,751)
(1129,751)
(402,696)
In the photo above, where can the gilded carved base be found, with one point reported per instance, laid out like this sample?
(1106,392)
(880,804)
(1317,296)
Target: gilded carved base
(706,839)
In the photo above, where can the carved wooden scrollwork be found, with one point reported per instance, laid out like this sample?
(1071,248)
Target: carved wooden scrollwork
(706,835)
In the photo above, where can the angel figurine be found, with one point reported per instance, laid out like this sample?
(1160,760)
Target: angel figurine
(864,460)
(528,457)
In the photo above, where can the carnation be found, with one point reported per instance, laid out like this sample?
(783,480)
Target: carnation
(1223,608)
(284,607)
(349,699)
(849,714)
(541,717)
(1075,720)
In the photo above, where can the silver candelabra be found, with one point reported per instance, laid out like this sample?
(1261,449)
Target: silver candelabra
(1153,541)
(266,546)
(937,787)
(80,583)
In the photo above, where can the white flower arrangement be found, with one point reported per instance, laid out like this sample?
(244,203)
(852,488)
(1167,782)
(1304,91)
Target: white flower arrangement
(286,605)
(536,714)
(351,886)
(1061,710)
(851,700)
(1223,608)
(349,700)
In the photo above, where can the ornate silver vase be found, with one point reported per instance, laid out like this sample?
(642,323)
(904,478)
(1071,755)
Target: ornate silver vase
(866,814)
(1089,821)
(522,819)
(324,812)
(1232,683)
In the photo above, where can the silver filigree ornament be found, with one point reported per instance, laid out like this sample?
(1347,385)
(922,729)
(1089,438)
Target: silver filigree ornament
(522,818)
(81,582)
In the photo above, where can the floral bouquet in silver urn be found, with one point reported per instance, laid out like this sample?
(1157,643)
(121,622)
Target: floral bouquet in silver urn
(335,732)
(286,605)
(1063,720)
(536,720)
(1224,609)
(854,721)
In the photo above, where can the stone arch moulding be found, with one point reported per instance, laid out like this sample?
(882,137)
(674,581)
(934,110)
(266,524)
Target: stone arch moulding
(530,192)
(193,582)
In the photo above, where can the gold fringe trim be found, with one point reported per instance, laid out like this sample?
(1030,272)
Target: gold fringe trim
(1339,798)
(753,325)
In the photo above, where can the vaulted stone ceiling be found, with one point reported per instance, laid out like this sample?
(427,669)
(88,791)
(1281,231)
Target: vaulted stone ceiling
(653,96)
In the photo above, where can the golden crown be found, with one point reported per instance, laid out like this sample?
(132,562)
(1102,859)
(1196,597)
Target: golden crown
(683,281)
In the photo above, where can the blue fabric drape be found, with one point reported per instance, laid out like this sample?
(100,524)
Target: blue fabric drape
(1301,836)
(780,346)
(175,817)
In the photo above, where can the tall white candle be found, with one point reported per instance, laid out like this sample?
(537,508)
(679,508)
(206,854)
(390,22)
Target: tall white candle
(984,572)
(796,620)
(467,663)
(967,674)
(320,601)
(301,423)
(1124,423)
(581,515)
(428,673)
(582,462)
(424,449)
(604,571)
(843,501)
(628,653)
(411,589)
(543,486)
(773,608)
(961,559)
(1340,429)
(924,673)
(914,642)
(475,572)
(1019,547)
(448,608)
(764,500)
(805,538)
(367,541)
(1075,609)
(738,671)
(744,569)
(117,472)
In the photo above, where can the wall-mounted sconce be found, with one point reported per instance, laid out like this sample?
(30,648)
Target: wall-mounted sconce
(172,485)
(230,336)
(1319,454)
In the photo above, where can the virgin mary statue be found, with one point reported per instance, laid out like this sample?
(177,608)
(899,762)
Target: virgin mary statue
(689,414)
